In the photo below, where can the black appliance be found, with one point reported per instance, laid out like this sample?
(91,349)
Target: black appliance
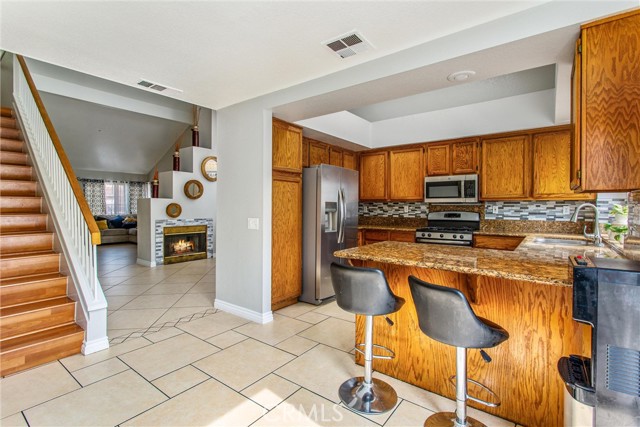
(606,295)
(449,228)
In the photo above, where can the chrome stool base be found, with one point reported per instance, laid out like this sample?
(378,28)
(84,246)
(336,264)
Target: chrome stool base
(448,419)
(375,398)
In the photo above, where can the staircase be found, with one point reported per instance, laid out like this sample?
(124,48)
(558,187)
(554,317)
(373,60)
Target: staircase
(37,319)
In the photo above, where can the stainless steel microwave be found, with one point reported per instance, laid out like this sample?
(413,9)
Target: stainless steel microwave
(451,189)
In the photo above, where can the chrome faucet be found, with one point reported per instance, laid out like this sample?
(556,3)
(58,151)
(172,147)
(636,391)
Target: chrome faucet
(596,236)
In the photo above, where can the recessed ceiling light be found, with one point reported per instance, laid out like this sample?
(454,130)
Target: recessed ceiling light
(460,76)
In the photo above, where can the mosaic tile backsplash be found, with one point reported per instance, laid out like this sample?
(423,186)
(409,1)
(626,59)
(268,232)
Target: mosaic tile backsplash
(552,210)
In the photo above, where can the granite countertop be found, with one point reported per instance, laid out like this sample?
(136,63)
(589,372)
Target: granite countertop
(530,261)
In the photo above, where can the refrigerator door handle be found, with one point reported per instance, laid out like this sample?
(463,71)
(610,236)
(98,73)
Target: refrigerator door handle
(343,214)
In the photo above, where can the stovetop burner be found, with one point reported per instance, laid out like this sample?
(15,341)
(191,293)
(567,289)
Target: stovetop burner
(449,228)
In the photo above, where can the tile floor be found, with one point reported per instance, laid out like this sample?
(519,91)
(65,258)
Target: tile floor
(176,361)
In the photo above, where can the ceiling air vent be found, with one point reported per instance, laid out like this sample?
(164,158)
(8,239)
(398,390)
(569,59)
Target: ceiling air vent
(156,86)
(348,44)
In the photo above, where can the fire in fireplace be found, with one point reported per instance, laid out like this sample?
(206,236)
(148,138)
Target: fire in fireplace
(185,243)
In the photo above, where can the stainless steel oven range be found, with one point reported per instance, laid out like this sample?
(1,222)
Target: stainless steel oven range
(449,228)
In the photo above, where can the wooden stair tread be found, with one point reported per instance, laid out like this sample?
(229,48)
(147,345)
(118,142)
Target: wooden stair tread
(34,254)
(6,112)
(33,278)
(29,340)
(34,306)
(25,233)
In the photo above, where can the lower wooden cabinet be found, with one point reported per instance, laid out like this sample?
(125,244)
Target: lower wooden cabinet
(286,239)
(506,243)
(375,236)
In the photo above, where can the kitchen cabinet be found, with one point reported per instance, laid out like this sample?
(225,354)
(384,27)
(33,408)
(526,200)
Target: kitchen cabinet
(373,175)
(349,160)
(452,158)
(506,243)
(286,240)
(305,153)
(551,167)
(464,157)
(318,153)
(505,168)
(370,236)
(406,174)
(606,105)
(287,147)
(335,156)
(438,159)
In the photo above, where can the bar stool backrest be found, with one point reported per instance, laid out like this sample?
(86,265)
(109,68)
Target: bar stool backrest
(363,290)
(445,315)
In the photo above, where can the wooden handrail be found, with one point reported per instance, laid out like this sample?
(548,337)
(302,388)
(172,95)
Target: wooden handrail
(68,170)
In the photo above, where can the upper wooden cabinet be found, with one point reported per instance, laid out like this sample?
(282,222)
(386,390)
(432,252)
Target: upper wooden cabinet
(464,157)
(438,159)
(607,105)
(287,147)
(406,174)
(505,170)
(551,167)
(318,153)
(305,152)
(349,160)
(452,158)
(335,156)
(373,175)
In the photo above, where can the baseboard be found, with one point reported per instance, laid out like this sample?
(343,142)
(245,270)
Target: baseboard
(89,347)
(245,313)
(145,263)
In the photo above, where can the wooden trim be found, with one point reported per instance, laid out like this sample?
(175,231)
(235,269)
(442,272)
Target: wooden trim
(286,124)
(68,170)
(610,18)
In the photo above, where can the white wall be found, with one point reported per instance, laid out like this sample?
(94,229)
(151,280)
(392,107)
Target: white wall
(343,125)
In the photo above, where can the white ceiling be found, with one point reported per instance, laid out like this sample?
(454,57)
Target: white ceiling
(223,52)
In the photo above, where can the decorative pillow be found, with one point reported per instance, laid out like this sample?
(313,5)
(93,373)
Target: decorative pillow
(102,224)
(128,225)
(117,222)
(129,220)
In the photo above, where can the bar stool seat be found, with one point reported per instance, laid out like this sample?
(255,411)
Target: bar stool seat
(365,291)
(444,314)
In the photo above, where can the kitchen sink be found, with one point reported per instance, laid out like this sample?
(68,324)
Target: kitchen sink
(561,242)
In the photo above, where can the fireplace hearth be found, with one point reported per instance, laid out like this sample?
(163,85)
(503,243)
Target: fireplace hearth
(184,243)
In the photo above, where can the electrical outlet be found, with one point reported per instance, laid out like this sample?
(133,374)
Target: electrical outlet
(253,223)
(494,209)
(406,209)
(565,210)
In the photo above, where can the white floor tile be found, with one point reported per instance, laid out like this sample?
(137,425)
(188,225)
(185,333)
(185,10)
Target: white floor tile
(270,391)
(107,402)
(26,389)
(79,361)
(178,381)
(208,404)
(16,420)
(212,325)
(196,300)
(333,332)
(408,414)
(227,339)
(163,334)
(135,319)
(312,317)
(332,309)
(152,301)
(99,371)
(296,345)
(274,332)
(296,309)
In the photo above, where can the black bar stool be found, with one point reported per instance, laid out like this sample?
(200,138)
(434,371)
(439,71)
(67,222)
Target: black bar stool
(444,314)
(365,291)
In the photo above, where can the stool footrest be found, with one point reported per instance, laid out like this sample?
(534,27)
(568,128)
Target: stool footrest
(379,356)
(494,404)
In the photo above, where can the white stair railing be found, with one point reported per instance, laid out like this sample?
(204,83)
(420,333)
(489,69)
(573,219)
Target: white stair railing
(75,226)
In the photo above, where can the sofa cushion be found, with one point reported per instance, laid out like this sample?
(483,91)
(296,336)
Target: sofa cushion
(114,232)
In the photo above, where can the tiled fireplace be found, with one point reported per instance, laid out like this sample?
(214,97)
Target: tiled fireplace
(184,243)
(179,240)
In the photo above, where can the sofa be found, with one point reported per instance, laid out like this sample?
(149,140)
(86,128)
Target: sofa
(118,231)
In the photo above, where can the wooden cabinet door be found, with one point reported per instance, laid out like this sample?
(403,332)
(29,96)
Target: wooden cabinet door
(438,159)
(349,160)
(464,158)
(610,116)
(287,147)
(402,236)
(286,240)
(375,236)
(305,152)
(551,167)
(505,171)
(373,176)
(335,156)
(406,174)
(576,140)
(318,153)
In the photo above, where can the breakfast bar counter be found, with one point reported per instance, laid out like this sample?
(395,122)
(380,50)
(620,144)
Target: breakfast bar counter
(526,291)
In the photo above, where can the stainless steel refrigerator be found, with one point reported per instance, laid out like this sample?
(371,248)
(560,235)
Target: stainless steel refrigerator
(329,223)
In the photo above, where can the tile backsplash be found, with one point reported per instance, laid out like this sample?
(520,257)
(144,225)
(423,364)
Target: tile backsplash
(552,210)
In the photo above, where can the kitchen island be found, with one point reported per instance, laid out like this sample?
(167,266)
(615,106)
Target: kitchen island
(527,291)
